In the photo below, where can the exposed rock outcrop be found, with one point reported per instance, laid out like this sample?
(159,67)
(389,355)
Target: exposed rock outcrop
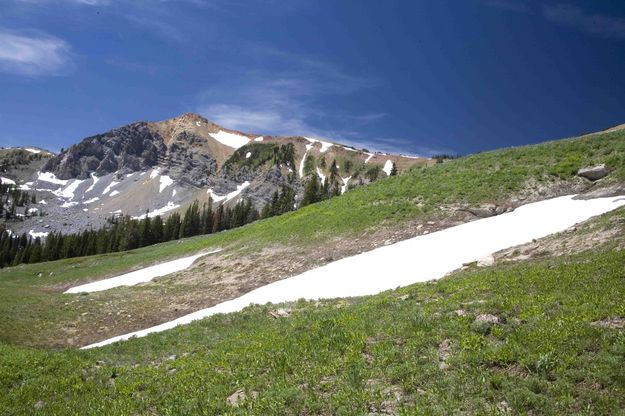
(594,173)
(129,148)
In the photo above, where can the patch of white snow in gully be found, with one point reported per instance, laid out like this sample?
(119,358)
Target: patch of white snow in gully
(418,259)
(95,180)
(345,182)
(230,139)
(231,195)
(324,145)
(108,188)
(388,167)
(50,177)
(321,175)
(6,181)
(68,191)
(34,234)
(165,181)
(169,207)
(139,276)
(154,173)
(301,165)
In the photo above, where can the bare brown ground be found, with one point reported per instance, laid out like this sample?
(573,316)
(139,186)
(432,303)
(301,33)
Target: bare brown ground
(220,277)
(211,280)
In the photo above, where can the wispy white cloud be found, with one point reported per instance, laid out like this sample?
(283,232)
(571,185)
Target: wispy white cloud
(286,102)
(34,54)
(578,18)
(517,6)
(400,145)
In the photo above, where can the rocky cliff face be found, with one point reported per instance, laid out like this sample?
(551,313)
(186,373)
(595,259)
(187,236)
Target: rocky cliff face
(162,167)
(130,148)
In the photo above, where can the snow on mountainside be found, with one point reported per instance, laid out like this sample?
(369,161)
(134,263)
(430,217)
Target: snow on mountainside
(164,166)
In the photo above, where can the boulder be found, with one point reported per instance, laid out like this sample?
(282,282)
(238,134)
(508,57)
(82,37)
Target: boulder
(488,210)
(593,173)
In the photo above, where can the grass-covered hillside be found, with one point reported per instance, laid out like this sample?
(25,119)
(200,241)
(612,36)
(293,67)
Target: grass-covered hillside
(534,337)
(37,314)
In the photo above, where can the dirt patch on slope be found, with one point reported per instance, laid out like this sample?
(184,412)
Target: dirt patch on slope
(234,272)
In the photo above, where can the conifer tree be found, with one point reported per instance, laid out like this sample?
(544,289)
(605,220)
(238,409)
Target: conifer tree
(311,193)
(393,170)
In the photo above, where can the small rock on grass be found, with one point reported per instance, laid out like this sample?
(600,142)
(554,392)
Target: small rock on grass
(487,318)
(444,352)
(239,396)
(280,313)
(614,322)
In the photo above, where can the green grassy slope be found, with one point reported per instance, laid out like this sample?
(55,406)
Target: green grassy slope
(30,302)
(415,350)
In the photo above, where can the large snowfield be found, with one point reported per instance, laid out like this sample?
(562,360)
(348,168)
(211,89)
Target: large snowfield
(418,259)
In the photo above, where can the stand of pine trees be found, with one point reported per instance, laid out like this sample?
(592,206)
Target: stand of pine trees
(11,198)
(125,233)
(316,191)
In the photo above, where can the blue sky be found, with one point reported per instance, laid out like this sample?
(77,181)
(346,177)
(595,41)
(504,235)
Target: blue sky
(419,77)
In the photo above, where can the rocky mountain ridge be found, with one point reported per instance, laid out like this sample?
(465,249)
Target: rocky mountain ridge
(164,166)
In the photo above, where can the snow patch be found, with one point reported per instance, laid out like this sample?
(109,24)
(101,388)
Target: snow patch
(230,139)
(170,206)
(68,191)
(69,204)
(108,188)
(115,192)
(43,202)
(369,158)
(139,276)
(50,177)
(95,180)
(248,154)
(6,181)
(91,201)
(301,165)
(418,259)
(259,139)
(154,173)
(33,234)
(388,167)
(165,181)
(228,197)
(324,145)
(321,175)
(31,150)
(345,182)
